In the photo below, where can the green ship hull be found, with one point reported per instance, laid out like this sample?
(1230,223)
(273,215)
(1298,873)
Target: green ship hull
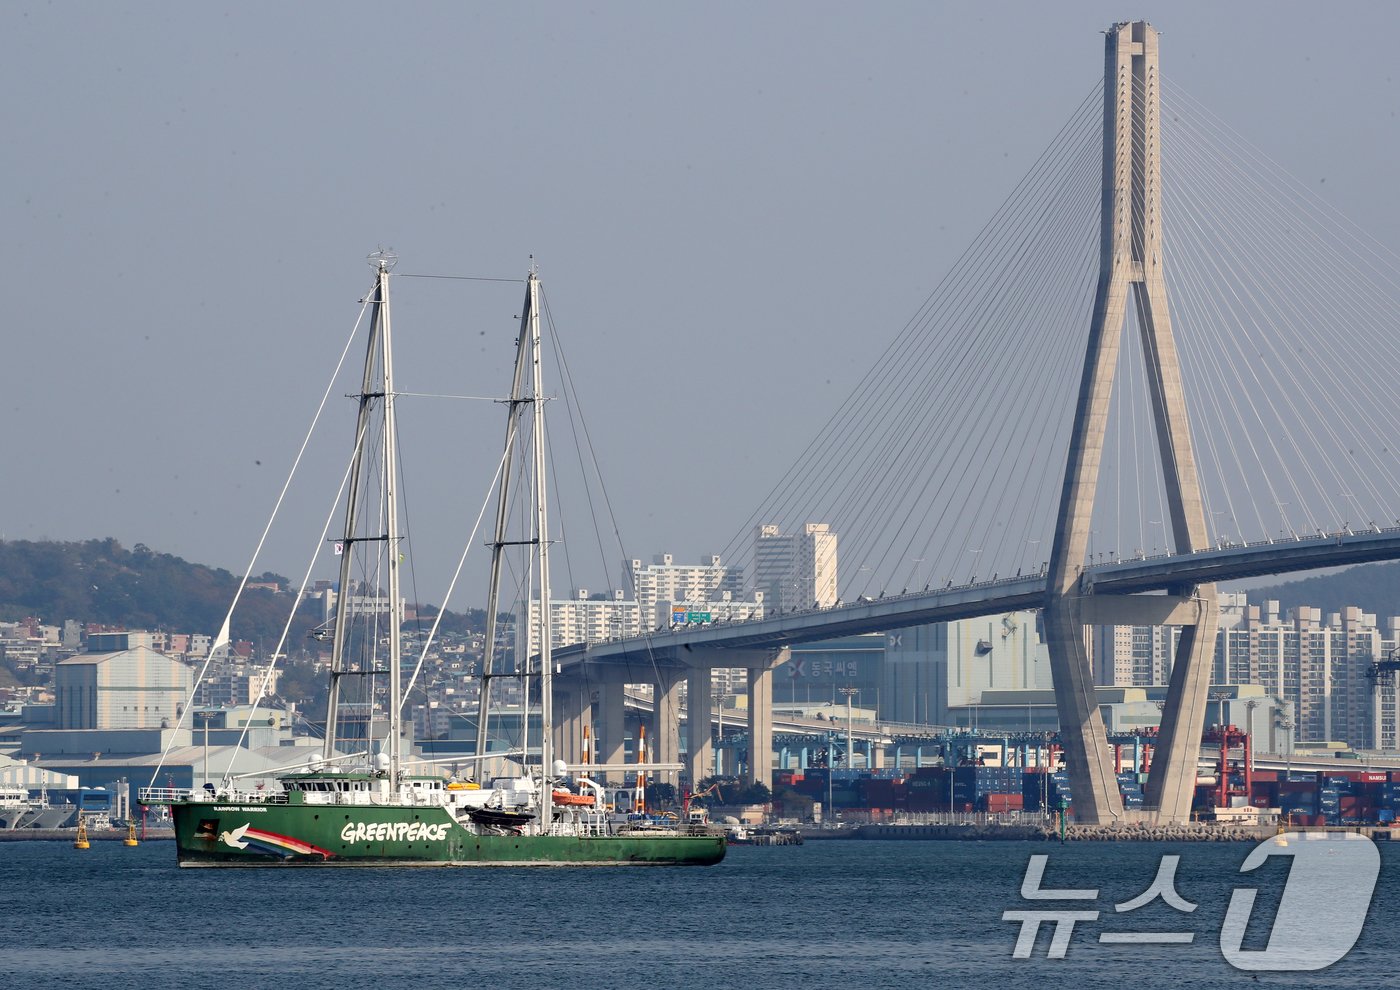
(257,834)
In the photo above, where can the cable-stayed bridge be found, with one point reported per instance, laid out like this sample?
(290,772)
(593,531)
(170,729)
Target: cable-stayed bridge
(1228,415)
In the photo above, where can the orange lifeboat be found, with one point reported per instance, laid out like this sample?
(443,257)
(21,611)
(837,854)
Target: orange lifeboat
(565,798)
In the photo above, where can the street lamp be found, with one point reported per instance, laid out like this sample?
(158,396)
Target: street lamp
(830,766)
(1249,707)
(719,741)
(1346,525)
(1286,724)
(850,692)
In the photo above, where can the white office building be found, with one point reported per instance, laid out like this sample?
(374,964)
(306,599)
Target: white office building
(798,570)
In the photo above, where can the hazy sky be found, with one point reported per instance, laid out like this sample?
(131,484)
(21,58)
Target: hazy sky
(733,207)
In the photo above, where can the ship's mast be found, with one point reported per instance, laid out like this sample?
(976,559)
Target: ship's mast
(376,350)
(391,528)
(542,547)
(516,407)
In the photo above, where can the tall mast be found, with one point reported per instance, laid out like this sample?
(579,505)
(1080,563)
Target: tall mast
(391,511)
(542,547)
(374,349)
(516,407)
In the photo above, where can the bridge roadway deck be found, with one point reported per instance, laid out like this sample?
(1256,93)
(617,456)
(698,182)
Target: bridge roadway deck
(1137,575)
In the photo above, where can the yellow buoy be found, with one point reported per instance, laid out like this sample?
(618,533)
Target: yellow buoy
(130,833)
(81,842)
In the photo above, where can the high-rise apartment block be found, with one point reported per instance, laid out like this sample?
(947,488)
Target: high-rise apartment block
(1321,665)
(664,583)
(710,591)
(796,571)
(585,618)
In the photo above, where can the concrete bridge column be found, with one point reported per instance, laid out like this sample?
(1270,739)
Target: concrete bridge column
(1171,783)
(761,719)
(699,737)
(573,709)
(665,738)
(612,726)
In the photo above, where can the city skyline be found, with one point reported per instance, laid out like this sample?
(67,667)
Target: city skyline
(143,167)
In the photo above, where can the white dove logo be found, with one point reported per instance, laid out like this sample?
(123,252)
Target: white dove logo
(235,838)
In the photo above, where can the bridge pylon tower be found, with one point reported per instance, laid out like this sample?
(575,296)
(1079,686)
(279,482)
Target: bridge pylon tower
(1130,263)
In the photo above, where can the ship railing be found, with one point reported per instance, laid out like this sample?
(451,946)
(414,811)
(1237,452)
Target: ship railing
(162,795)
(170,795)
(579,828)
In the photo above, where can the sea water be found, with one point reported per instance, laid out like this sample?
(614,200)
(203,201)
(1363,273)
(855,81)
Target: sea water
(867,914)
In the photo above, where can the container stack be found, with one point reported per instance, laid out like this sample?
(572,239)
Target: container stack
(987,789)
(1130,786)
(1329,799)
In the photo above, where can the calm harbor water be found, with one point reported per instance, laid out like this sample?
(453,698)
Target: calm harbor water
(830,914)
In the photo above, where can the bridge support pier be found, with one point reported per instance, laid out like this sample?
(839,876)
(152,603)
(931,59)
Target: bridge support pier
(1171,782)
(612,725)
(573,709)
(761,719)
(760,665)
(1087,755)
(699,733)
(666,722)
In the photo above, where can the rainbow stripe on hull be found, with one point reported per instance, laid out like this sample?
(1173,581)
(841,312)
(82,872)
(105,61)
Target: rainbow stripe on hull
(260,840)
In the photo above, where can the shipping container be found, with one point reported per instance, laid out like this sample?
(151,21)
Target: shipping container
(923,802)
(1000,803)
(929,784)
